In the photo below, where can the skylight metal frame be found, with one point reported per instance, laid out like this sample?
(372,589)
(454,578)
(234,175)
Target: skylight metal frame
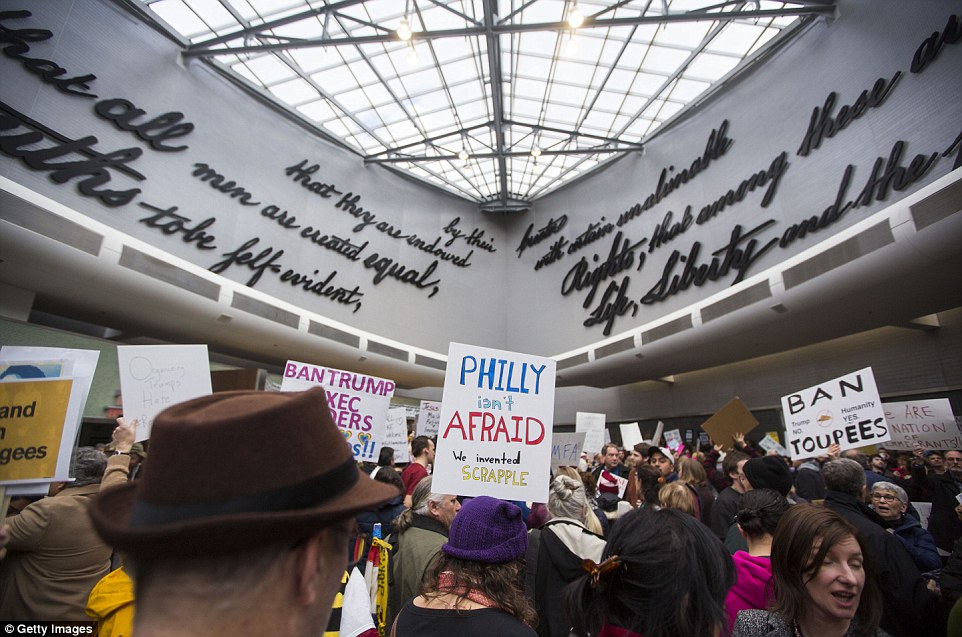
(497,131)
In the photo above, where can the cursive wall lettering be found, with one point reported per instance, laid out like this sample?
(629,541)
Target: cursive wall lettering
(95,169)
(823,125)
(931,46)
(171,223)
(552,227)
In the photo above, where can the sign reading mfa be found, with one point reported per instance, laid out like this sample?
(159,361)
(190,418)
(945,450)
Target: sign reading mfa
(359,403)
(495,425)
(846,411)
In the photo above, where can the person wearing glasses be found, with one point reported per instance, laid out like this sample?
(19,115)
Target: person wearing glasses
(942,489)
(909,604)
(891,501)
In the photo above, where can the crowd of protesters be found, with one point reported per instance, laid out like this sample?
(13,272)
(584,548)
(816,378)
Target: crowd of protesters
(230,527)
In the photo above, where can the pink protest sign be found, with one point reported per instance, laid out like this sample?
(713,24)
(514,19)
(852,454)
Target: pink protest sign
(358,403)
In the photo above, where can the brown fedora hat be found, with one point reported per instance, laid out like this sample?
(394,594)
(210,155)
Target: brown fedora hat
(234,470)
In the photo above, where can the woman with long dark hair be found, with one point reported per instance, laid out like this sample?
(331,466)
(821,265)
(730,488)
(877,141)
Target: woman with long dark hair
(474,586)
(663,574)
(824,581)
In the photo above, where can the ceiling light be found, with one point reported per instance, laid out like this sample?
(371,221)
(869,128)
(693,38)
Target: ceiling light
(575,17)
(404,30)
(571,47)
(463,155)
(412,54)
(536,151)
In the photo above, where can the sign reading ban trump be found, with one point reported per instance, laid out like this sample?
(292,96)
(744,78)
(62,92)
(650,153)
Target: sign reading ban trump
(496,419)
(358,403)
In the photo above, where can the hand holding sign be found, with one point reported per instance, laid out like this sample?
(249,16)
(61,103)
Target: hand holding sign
(124,434)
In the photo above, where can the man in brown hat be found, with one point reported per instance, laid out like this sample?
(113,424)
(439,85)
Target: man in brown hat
(249,541)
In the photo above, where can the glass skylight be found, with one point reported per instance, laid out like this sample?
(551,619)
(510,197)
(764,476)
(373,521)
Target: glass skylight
(582,97)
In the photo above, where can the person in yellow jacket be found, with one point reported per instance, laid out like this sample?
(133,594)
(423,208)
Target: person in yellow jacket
(111,603)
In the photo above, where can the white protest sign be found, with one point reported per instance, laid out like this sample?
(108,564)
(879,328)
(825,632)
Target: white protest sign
(358,403)
(929,423)
(630,435)
(656,439)
(154,377)
(594,426)
(429,415)
(673,438)
(496,420)
(845,410)
(79,366)
(770,444)
(566,449)
(396,434)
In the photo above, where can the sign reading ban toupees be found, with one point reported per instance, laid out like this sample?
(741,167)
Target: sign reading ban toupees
(845,411)
(497,414)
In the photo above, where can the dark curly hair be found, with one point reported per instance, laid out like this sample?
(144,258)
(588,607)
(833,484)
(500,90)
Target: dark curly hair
(672,580)
(502,583)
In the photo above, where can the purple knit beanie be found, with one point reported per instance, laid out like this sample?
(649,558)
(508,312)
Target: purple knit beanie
(487,530)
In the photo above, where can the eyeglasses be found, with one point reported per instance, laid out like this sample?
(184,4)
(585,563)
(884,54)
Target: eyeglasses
(885,497)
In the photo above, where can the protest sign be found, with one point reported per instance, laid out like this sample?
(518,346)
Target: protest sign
(768,443)
(606,480)
(594,426)
(733,418)
(659,430)
(846,411)
(673,439)
(429,416)
(566,449)
(630,435)
(359,404)
(496,420)
(154,377)
(396,434)
(78,365)
(33,414)
(929,423)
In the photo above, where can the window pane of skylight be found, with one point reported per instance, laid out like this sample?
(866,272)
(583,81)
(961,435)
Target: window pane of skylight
(317,111)
(296,91)
(709,66)
(179,16)
(736,38)
(685,34)
(334,80)
(687,90)
(269,69)
(663,59)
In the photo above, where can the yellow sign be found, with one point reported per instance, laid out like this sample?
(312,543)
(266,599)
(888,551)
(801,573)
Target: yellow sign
(32,415)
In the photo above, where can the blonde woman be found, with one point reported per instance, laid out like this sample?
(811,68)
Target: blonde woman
(556,553)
